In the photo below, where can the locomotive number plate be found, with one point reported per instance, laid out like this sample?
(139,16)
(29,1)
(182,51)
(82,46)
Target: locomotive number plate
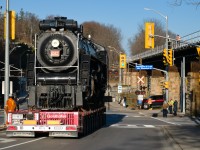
(55,53)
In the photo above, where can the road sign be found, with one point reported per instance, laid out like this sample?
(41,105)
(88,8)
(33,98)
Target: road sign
(140,79)
(119,89)
(144,67)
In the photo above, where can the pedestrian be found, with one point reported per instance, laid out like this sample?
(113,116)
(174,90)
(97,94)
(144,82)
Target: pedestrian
(178,40)
(165,107)
(150,103)
(170,103)
(120,100)
(124,103)
(10,105)
(175,107)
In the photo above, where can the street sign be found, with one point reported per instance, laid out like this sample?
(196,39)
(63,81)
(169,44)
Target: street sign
(140,79)
(144,67)
(119,89)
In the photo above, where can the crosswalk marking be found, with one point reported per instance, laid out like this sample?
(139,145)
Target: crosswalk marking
(6,140)
(131,126)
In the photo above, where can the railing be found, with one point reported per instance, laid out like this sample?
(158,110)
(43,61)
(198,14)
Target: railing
(190,39)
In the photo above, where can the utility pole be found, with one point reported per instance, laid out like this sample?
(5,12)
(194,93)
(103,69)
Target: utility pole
(183,84)
(7,68)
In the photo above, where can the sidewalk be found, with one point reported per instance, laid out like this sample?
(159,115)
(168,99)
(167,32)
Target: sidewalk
(2,126)
(181,137)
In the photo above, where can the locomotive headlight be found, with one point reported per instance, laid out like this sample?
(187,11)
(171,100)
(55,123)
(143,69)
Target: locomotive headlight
(55,43)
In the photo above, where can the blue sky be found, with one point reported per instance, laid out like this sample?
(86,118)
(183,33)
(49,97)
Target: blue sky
(123,14)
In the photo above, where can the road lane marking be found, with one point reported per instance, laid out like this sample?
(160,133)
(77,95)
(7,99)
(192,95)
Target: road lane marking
(6,140)
(166,121)
(134,116)
(131,126)
(22,143)
(149,126)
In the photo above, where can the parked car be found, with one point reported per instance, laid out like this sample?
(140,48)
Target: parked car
(157,101)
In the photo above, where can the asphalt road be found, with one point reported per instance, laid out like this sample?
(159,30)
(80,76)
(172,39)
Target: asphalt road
(124,131)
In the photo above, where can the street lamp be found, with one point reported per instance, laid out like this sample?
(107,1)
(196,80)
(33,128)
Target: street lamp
(166,18)
(166,45)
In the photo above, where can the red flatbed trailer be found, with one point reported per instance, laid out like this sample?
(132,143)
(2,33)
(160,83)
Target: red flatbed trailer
(26,123)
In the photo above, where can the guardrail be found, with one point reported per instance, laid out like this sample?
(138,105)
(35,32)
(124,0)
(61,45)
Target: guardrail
(190,39)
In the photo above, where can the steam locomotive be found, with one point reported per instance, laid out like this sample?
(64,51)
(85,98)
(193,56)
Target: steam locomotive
(67,70)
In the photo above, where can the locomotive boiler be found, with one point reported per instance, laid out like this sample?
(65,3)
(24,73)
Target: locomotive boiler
(67,70)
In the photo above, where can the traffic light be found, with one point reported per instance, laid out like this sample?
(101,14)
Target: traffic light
(165,57)
(169,44)
(170,57)
(198,51)
(122,61)
(149,35)
(166,85)
(12,19)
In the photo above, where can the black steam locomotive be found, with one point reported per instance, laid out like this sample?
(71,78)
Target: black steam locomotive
(67,71)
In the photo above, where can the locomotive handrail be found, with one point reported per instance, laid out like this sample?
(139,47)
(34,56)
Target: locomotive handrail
(59,67)
(190,39)
(78,73)
(35,59)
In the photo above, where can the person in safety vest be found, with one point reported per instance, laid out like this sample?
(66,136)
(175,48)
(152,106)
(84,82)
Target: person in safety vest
(10,104)
(170,103)
(150,103)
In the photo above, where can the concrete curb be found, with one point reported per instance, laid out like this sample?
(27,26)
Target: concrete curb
(170,138)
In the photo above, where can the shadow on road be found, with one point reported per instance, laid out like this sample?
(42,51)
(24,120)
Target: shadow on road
(113,119)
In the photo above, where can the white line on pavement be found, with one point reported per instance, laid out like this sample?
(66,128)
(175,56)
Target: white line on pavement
(166,121)
(6,140)
(131,126)
(22,143)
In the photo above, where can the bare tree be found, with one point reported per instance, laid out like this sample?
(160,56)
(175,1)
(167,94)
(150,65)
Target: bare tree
(27,24)
(107,36)
(102,34)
